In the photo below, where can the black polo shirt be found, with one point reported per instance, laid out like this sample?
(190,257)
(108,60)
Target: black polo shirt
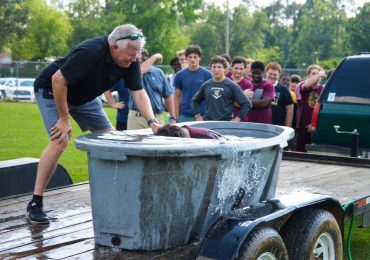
(90,70)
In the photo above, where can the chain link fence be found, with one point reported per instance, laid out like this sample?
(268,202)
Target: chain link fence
(21,69)
(30,69)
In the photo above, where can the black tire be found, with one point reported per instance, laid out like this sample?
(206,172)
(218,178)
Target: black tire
(263,241)
(303,230)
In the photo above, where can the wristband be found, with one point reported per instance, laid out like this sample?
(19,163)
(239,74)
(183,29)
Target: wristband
(152,120)
(173,118)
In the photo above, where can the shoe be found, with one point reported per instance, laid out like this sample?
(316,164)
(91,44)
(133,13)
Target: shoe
(36,214)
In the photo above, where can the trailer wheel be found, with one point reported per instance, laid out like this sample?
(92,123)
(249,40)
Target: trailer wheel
(313,234)
(264,244)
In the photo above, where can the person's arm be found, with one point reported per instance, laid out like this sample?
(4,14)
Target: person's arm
(244,103)
(289,115)
(265,102)
(177,100)
(268,96)
(170,105)
(62,128)
(249,93)
(112,102)
(145,66)
(195,104)
(313,81)
(144,106)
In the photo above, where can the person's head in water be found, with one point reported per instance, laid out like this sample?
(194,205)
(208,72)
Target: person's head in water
(173,130)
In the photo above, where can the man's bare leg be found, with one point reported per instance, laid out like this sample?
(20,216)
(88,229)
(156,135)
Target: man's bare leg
(45,170)
(48,164)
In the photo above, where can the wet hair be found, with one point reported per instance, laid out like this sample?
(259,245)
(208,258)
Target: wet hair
(218,59)
(295,78)
(170,130)
(193,49)
(239,60)
(313,67)
(258,65)
(273,66)
(227,57)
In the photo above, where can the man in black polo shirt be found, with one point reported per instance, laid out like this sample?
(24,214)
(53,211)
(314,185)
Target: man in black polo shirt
(71,85)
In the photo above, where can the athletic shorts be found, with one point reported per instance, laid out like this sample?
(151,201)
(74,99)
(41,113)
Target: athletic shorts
(89,116)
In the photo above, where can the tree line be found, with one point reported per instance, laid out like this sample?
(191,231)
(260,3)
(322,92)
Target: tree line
(293,34)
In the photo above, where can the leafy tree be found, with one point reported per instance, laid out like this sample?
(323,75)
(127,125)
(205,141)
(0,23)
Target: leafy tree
(247,32)
(359,30)
(281,15)
(12,19)
(319,32)
(159,20)
(209,33)
(88,20)
(45,35)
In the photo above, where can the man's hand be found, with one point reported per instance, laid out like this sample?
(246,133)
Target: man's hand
(119,105)
(61,130)
(236,119)
(249,93)
(198,117)
(154,126)
(158,57)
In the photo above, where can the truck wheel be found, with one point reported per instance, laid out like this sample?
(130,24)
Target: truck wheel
(264,244)
(313,234)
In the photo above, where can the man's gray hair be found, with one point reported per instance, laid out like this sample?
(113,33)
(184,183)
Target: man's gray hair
(124,31)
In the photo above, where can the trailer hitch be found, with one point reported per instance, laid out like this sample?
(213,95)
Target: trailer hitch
(355,139)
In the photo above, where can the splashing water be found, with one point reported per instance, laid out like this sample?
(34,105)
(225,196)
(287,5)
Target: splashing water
(244,171)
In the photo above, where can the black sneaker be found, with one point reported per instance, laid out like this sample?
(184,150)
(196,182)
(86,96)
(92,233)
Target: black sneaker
(35,214)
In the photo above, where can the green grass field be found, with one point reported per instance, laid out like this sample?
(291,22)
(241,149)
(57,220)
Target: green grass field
(23,135)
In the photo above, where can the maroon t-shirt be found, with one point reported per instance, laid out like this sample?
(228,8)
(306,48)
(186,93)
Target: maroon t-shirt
(307,101)
(244,84)
(262,115)
(202,133)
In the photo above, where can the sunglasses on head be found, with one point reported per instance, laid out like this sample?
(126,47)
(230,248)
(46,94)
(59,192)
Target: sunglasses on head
(132,36)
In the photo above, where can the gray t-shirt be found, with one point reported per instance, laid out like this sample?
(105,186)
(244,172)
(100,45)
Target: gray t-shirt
(219,98)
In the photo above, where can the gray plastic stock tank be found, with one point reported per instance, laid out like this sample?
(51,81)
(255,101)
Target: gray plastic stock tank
(153,192)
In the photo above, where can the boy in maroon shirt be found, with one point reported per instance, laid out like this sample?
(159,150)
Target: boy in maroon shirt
(263,96)
(189,132)
(308,92)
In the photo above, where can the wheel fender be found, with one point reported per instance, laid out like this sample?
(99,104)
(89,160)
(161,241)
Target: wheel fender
(225,239)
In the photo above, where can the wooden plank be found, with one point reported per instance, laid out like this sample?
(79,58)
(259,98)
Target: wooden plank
(78,241)
(342,182)
(82,187)
(25,229)
(36,234)
(186,252)
(14,215)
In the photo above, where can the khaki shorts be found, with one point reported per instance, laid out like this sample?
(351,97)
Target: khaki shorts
(137,121)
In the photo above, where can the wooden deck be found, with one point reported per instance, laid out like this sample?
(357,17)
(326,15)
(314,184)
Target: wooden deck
(70,233)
